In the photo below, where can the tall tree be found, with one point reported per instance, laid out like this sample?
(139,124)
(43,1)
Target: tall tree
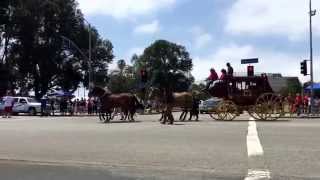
(168,64)
(34,45)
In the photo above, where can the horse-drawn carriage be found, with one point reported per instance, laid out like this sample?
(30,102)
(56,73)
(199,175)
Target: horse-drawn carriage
(246,94)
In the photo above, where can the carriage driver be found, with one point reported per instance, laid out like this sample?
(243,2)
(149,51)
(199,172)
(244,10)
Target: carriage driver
(213,77)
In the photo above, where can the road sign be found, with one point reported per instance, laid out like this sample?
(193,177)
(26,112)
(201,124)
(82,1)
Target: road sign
(250,61)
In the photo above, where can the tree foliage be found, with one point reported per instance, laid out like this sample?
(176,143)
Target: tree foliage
(124,80)
(168,65)
(38,58)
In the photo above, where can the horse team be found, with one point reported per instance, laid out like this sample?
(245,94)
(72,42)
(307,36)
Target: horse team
(129,104)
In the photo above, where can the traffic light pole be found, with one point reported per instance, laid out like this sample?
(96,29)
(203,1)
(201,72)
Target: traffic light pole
(311,13)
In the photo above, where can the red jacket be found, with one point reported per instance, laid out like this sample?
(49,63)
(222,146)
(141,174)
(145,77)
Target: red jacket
(298,100)
(222,76)
(213,76)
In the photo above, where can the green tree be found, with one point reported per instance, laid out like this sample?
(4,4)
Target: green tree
(168,65)
(123,82)
(36,52)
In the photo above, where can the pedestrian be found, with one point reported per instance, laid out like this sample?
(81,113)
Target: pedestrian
(95,107)
(223,74)
(77,107)
(8,104)
(230,70)
(306,104)
(290,100)
(44,106)
(52,107)
(89,106)
(298,104)
(212,77)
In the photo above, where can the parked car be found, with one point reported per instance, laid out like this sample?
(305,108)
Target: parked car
(26,105)
(1,105)
(209,105)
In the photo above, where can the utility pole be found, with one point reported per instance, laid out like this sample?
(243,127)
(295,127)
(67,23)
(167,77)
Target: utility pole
(311,13)
(90,62)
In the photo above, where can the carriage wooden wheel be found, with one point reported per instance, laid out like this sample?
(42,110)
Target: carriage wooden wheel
(226,111)
(252,112)
(268,107)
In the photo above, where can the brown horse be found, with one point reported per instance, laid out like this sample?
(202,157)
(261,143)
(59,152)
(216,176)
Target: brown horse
(126,101)
(183,100)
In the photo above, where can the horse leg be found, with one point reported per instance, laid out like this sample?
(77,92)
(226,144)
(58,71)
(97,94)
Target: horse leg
(185,115)
(132,117)
(182,117)
(124,115)
(171,118)
(164,117)
(108,117)
(191,114)
(132,113)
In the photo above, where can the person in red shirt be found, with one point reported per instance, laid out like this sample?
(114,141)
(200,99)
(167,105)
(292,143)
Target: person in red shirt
(213,77)
(306,104)
(223,74)
(298,103)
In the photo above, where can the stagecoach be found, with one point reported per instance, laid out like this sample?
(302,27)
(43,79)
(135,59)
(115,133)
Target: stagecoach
(253,95)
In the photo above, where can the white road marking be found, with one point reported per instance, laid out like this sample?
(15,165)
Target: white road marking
(255,149)
(258,174)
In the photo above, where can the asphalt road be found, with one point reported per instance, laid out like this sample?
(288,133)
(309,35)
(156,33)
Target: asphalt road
(82,148)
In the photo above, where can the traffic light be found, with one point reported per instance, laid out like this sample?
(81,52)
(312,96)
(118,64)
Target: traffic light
(250,70)
(304,68)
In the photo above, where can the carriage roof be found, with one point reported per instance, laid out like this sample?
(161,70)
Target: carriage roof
(276,83)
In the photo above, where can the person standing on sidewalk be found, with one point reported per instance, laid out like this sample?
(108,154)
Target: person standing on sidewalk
(298,104)
(43,101)
(8,104)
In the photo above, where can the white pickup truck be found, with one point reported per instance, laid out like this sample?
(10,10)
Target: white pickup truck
(24,105)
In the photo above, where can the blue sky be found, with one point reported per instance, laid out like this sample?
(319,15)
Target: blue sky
(214,31)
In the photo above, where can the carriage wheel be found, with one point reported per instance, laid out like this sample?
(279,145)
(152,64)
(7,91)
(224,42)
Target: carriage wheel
(252,112)
(214,116)
(227,111)
(268,107)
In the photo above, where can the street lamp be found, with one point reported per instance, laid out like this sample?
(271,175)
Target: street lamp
(90,51)
(90,55)
(86,57)
(311,13)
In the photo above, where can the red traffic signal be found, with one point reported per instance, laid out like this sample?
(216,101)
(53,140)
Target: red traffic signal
(250,70)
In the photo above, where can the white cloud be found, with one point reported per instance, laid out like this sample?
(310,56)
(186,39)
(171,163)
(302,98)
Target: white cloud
(135,50)
(123,8)
(279,17)
(150,28)
(203,40)
(201,37)
(269,61)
